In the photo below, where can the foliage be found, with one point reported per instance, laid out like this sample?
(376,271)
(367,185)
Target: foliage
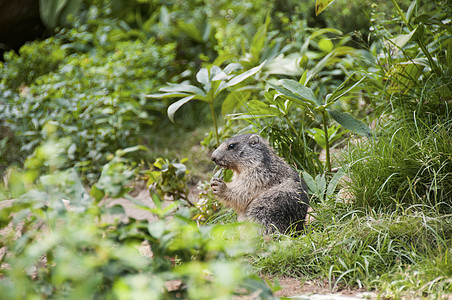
(214,81)
(65,250)
(73,107)
(294,92)
(34,60)
(169,179)
(350,248)
(404,166)
(56,12)
(95,97)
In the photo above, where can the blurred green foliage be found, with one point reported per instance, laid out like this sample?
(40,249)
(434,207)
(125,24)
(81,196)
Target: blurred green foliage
(90,82)
(57,245)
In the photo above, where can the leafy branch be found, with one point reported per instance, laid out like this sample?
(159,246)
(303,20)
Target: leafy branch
(213,81)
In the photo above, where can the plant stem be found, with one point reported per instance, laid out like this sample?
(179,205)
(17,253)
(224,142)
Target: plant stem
(212,111)
(291,125)
(327,145)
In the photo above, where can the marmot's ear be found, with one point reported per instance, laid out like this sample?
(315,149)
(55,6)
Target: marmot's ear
(253,140)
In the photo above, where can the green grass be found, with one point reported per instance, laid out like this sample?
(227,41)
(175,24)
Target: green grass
(410,163)
(394,254)
(395,236)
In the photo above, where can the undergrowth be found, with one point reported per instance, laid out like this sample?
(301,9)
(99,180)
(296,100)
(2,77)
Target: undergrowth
(406,165)
(391,253)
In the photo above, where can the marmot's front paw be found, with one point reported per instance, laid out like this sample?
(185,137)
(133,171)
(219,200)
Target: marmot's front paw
(218,186)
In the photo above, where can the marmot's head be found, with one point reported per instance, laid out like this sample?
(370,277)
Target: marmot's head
(241,152)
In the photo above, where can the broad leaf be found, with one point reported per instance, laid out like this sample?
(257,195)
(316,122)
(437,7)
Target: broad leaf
(220,76)
(203,77)
(176,105)
(300,90)
(186,88)
(239,78)
(350,122)
(232,67)
(334,182)
(343,89)
(400,41)
(167,95)
(326,45)
(190,30)
(289,94)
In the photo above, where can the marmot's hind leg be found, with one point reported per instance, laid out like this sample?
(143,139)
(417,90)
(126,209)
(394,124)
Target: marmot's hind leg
(279,211)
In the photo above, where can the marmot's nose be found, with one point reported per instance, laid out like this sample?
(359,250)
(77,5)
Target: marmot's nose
(214,156)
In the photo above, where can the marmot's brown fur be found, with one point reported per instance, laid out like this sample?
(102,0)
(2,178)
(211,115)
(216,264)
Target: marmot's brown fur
(264,188)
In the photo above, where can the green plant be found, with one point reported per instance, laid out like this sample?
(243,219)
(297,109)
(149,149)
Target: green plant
(318,187)
(350,248)
(293,92)
(58,246)
(55,12)
(91,88)
(404,166)
(169,179)
(34,60)
(214,81)
(333,135)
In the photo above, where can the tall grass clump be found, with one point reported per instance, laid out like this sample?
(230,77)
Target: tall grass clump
(406,165)
(393,254)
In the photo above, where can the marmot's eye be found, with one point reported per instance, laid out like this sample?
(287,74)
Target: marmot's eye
(231,146)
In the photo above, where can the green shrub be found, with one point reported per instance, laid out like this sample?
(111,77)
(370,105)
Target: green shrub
(34,60)
(95,97)
(58,246)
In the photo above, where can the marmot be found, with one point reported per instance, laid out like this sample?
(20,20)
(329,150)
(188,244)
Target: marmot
(264,188)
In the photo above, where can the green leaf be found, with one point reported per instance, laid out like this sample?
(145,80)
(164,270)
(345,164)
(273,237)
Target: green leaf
(259,39)
(300,90)
(289,94)
(320,5)
(303,78)
(400,41)
(185,88)
(190,30)
(410,9)
(334,182)
(310,182)
(203,77)
(404,75)
(55,12)
(342,89)
(176,105)
(97,193)
(326,45)
(115,210)
(239,78)
(233,100)
(157,229)
(121,152)
(350,122)
(167,95)
(260,108)
(223,57)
